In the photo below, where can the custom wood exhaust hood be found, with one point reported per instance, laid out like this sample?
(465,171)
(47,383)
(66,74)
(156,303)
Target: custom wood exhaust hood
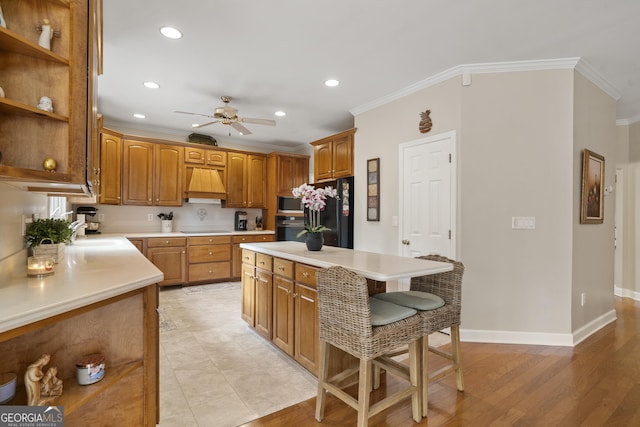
(205,185)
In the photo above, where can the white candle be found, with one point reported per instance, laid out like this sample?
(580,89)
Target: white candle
(38,266)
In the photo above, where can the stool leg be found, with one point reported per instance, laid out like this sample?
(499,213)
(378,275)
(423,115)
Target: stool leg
(322,378)
(376,377)
(364,390)
(424,367)
(455,350)
(414,376)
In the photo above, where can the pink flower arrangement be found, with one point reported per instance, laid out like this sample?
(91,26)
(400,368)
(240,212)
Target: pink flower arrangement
(314,200)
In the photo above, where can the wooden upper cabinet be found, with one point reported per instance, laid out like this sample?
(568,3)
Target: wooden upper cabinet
(203,156)
(246,180)
(167,188)
(333,156)
(110,167)
(152,174)
(137,173)
(29,135)
(291,171)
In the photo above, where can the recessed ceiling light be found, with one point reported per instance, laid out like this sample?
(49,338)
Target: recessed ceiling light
(332,83)
(171,32)
(195,125)
(151,85)
(139,116)
(280,113)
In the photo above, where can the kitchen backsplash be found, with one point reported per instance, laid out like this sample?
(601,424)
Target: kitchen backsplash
(190,216)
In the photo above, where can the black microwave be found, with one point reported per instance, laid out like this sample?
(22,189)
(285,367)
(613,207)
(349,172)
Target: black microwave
(290,205)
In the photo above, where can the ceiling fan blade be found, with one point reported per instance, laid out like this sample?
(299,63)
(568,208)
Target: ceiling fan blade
(259,121)
(243,130)
(205,124)
(193,114)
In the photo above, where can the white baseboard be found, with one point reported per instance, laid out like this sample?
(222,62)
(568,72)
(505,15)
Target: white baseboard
(626,293)
(538,338)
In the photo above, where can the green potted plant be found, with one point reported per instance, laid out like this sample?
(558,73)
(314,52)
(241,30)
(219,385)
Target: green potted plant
(48,237)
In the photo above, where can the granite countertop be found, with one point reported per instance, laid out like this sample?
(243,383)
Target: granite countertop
(372,265)
(93,269)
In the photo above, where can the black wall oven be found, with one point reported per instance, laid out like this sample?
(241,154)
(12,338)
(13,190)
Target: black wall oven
(288,227)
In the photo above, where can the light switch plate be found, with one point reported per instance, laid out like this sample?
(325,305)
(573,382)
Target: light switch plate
(523,222)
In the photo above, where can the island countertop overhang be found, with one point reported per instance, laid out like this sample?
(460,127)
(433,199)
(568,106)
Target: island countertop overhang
(375,266)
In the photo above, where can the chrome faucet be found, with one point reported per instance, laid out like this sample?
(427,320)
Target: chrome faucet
(76,226)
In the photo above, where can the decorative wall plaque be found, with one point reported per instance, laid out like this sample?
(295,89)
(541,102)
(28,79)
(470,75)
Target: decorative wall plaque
(425,123)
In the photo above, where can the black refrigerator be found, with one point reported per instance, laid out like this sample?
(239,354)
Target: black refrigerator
(338,214)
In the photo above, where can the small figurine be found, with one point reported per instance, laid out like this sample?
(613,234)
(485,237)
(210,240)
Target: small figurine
(1,92)
(42,389)
(46,34)
(46,104)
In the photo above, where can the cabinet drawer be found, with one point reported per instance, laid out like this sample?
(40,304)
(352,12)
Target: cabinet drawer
(156,242)
(244,239)
(209,240)
(283,267)
(263,261)
(209,271)
(248,257)
(306,275)
(264,238)
(209,253)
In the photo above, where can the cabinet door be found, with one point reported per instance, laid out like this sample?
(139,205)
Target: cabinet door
(248,294)
(323,159)
(137,173)
(171,261)
(194,155)
(110,168)
(168,168)
(300,172)
(343,156)
(256,181)
(236,180)
(306,327)
(291,172)
(283,314)
(263,303)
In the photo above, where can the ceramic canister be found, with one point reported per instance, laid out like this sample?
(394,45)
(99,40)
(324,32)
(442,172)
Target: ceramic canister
(90,369)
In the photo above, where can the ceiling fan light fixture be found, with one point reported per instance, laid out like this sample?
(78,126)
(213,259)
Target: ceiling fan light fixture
(331,83)
(171,33)
(280,113)
(151,85)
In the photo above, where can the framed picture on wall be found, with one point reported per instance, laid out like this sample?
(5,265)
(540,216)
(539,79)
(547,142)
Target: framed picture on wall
(373,189)
(592,204)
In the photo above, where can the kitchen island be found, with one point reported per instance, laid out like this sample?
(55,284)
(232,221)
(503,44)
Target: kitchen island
(101,299)
(279,296)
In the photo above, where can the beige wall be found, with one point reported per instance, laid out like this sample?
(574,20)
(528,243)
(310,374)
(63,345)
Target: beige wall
(593,255)
(634,142)
(622,144)
(516,157)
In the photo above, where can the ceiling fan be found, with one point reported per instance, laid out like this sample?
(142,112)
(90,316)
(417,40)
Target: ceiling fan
(228,115)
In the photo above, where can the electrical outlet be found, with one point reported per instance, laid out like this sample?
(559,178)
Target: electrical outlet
(100,217)
(149,217)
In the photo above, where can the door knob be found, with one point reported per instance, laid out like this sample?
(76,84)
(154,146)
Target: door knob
(405,242)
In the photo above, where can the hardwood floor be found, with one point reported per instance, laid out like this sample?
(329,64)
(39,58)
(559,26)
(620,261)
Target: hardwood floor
(596,383)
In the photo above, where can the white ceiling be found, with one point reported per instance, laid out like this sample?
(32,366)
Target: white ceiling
(275,55)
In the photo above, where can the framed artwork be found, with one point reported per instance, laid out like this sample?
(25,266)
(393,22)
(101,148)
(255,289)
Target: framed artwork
(373,189)
(592,204)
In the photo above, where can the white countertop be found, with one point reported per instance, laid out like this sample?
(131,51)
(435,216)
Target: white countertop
(374,266)
(93,269)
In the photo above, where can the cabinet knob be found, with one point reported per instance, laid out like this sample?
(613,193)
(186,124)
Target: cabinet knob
(210,272)
(295,295)
(305,275)
(167,242)
(281,268)
(210,253)
(261,263)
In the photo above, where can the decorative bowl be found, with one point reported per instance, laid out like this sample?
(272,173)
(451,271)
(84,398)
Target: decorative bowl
(7,387)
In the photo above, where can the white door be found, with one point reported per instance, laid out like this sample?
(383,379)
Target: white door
(427,181)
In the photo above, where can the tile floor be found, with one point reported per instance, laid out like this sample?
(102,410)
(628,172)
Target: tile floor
(214,370)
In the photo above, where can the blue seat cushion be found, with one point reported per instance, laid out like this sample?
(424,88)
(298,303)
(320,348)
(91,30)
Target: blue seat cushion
(414,299)
(383,313)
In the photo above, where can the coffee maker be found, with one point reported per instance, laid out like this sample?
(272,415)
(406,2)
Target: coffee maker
(241,221)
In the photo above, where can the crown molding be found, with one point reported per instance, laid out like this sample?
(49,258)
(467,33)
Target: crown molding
(578,64)
(629,121)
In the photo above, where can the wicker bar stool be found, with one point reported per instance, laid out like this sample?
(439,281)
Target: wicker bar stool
(447,287)
(346,322)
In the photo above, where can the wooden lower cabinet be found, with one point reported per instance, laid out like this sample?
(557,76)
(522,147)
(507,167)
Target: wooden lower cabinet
(236,267)
(279,300)
(125,329)
(209,258)
(170,256)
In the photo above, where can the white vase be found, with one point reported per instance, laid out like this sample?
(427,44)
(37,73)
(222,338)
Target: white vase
(167,226)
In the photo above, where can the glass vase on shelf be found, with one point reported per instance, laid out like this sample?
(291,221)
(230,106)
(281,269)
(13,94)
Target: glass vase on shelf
(314,202)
